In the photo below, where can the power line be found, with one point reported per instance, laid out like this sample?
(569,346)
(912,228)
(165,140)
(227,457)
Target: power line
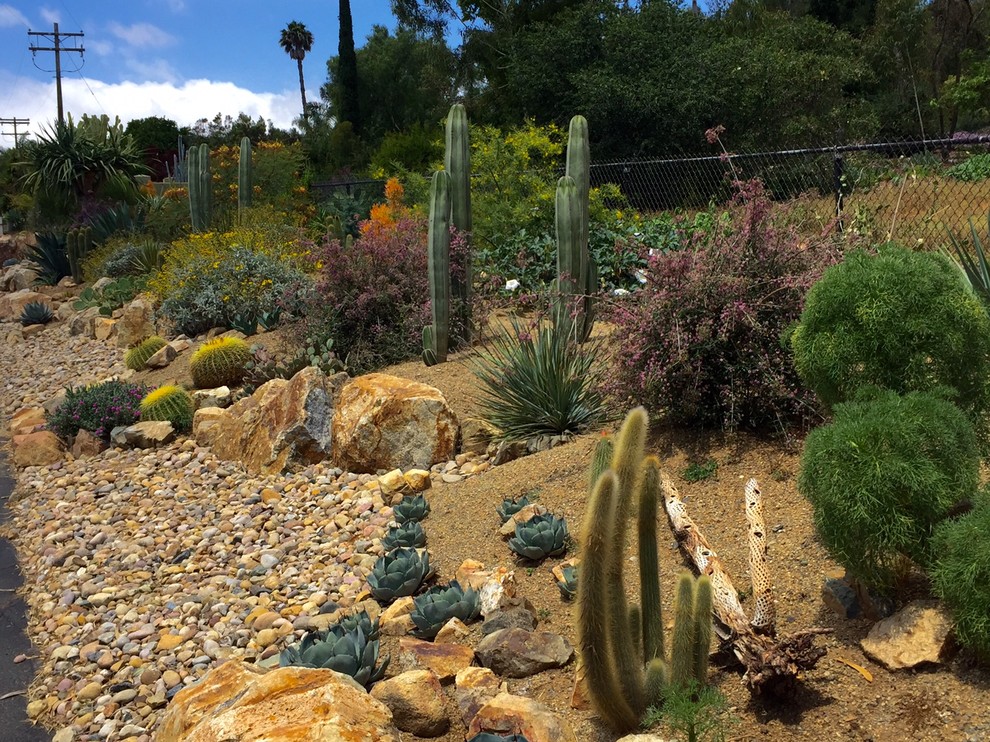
(56,38)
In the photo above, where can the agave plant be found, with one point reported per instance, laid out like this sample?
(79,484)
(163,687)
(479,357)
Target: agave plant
(399,573)
(36,313)
(492,737)
(50,257)
(350,652)
(568,585)
(411,508)
(439,604)
(508,508)
(539,537)
(361,620)
(408,534)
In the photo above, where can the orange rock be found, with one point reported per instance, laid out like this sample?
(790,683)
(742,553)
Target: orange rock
(290,704)
(473,688)
(416,701)
(445,660)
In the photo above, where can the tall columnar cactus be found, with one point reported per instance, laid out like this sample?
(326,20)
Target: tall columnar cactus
(244,183)
(457,163)
(436,336)
(583,280)
(622,646)
(78,243)
(568,225)
(200,187)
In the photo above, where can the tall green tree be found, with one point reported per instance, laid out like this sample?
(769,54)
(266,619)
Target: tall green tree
(296,41)
(350,104)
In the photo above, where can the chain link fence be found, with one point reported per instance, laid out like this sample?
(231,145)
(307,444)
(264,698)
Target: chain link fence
(911,191)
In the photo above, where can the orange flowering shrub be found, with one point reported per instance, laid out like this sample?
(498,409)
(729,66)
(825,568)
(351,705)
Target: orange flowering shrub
(385,216)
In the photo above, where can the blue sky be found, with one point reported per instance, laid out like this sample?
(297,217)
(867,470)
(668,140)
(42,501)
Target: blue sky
(183,59)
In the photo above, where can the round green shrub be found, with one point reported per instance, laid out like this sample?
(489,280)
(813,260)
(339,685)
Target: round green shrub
(137,357)
(170,403)
(961,575)
(219,362)
(883,474)
(900,320)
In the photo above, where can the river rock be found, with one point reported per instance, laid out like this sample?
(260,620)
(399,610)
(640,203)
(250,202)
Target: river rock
(518,653)
(37,449)
(507,714)
(415,699)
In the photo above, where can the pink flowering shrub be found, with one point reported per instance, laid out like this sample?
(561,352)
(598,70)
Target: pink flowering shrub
(703,338)
(372,296)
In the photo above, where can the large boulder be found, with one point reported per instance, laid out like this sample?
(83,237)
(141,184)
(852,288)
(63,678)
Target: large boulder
(17,277)
(13,304)
(282,421)
(136,323)
(384,422)
(84,322)
(919,634)
(236,701)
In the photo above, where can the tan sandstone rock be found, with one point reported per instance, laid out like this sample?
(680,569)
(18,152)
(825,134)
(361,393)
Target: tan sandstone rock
(290,704)
(136,323)
(508,714)
(917,634)
(416,701)
(282,421)
(384,422)
(37,449)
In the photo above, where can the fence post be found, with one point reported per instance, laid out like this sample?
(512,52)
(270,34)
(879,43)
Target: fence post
(838,177)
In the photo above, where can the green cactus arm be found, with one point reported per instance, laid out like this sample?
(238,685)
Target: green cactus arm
(567,222)
(657,681)
(682,650)
(635,619)
(192,189)
(601,458)
(703,628)
(649,561)
(595,611)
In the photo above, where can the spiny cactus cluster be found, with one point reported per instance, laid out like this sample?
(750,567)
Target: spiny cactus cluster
(200,187)
(221,361)
(170,403)
(626,673)
(137,356)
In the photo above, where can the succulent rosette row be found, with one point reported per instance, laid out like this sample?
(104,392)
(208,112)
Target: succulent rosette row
(439,604)
(539,537)
(405,535)
(411,509)
(508,508)
(398,573)
(350,652)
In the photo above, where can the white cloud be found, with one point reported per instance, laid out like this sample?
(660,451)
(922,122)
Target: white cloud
(51,16)
(141,34)
(11,16)
(152,70)
(184,104)
(100,47)
(176,6)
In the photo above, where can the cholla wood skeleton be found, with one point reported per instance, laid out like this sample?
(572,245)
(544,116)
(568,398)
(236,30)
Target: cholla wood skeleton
(772,665)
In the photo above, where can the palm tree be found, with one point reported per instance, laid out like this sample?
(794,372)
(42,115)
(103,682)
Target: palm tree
(296,40)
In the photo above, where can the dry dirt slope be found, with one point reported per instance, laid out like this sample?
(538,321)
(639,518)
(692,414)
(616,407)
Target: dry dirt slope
(949,703)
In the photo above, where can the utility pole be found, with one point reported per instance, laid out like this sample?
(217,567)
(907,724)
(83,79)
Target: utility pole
(56,38)
(15,122)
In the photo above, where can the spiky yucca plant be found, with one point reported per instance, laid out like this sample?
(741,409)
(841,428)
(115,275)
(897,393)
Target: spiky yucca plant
(170,403)
(136,357)
(539,382)
(219,362)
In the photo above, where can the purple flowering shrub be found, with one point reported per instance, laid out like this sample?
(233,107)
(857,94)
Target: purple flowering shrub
(372,296)
(98,408)
(703,338)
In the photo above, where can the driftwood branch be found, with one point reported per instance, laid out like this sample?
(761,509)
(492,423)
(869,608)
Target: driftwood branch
(773,666)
